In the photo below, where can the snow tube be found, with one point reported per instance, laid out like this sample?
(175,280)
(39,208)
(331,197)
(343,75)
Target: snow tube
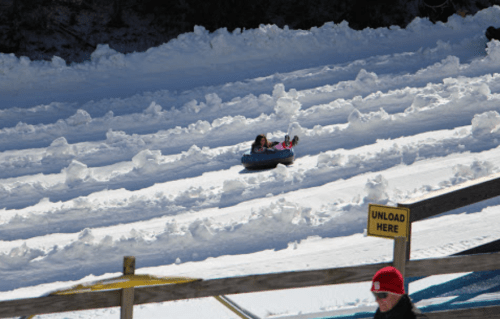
(268,159)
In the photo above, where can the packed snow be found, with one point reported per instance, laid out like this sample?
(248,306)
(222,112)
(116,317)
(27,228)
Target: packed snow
(139,155)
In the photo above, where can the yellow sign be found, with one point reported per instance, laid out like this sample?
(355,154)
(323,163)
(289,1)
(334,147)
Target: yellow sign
(388,222)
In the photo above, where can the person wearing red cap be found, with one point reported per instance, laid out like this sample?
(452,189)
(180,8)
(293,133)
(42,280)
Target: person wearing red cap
(389,291)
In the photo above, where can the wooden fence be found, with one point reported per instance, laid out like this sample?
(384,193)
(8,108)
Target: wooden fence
(432,204)
(246,284)
(445,200)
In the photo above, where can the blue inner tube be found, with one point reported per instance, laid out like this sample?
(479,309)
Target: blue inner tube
(267,159)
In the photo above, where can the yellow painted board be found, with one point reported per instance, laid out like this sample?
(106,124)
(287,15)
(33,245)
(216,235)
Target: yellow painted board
(388,222)
(126,281)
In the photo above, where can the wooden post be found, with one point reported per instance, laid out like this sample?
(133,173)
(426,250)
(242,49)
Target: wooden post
(127,297)
(399,260)
(408,244)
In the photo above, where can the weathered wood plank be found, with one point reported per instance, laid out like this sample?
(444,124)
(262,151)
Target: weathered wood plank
(454,197)
(450,265)
(399,253)
(235,308)
(62,303)
(127,303)
(244,284)
(127,296)
(257,283)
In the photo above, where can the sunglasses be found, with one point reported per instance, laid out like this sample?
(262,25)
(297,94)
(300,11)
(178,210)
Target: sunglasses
(380,295)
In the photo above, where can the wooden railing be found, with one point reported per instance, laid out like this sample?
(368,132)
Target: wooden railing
(432,204)
(246,284)
(445,200)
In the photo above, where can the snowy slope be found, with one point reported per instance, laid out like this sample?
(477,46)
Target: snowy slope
(139,154)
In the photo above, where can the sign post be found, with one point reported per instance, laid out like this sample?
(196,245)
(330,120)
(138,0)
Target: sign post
(393,223)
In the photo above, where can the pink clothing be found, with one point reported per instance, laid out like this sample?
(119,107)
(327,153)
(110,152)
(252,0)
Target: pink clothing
(282,146)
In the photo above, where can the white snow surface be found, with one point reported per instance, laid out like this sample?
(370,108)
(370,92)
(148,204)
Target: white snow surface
(139,155)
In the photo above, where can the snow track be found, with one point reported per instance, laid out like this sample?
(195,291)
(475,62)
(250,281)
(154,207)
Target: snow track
(145,161)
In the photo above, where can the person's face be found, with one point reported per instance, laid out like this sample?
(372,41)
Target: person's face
(262,141)
(387,303)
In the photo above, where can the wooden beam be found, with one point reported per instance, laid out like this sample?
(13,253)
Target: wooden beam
(257,283)
(128,265)
(236,309)
(454,197)
(127,297)
(244,284)
(451,265)
(399,258)
(408,243)
(61,303)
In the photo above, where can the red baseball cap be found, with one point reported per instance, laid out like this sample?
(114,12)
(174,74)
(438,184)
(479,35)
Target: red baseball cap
(388,279)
